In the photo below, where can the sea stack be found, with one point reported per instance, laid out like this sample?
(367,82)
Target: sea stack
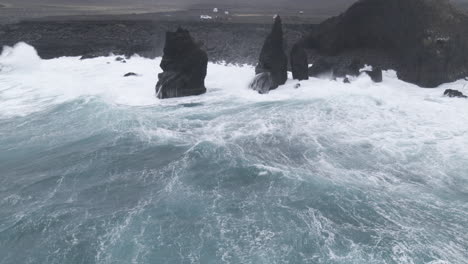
(299,63)
(425,41)
(272,67)
(184,67)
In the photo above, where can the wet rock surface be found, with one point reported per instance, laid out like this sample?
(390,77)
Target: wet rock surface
(262,83)
(454,93)
(130,74)
(321,68)
(424,40)
(184,67)
(273,61)
(375,74)
(299,62)
(341,68)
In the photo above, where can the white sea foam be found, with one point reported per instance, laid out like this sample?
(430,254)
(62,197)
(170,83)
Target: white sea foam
(28,84)
(392,152)
(20,57)
(390,111)
(393,112)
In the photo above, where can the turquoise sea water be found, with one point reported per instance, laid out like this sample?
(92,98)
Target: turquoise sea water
(94,169)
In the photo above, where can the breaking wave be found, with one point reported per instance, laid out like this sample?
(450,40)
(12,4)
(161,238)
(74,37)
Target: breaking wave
(95,169)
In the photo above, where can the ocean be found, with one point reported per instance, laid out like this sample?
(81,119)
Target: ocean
(95,169)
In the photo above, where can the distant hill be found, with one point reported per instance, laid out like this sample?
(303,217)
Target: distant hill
(316,10)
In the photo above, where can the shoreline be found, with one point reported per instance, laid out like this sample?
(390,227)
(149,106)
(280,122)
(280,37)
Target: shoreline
(93,38)
(234,38)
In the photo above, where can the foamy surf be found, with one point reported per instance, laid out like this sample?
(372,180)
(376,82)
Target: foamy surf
(95,169)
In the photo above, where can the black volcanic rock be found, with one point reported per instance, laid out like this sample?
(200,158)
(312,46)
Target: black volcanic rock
(351,68)
(130,74)
(320,68)
(342,68)
(184,67)
(375,74)
(120,59)
(273,59)
(93,55)
(425,41)
(262,82)
(454,93)
(299,63)
(236,43)
(335,69)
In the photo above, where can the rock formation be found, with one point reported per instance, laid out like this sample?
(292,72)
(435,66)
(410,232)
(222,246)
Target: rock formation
(184,67)
(321,68)
(120,59)
(130,74)
(234,43)
(331,68)
(299,63)
(425,41)
(375,74)
(263,82)
(454,93)
(273,63)
(342,68)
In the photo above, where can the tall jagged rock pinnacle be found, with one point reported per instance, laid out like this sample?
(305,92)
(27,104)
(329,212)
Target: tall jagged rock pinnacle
(299,63)
(272,67)
(184,67)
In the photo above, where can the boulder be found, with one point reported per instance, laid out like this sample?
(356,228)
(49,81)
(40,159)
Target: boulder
(425,41)
(184,66)
(299,63)
(273,62)
(454,93)
(130,74)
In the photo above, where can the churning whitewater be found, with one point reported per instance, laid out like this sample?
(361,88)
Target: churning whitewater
(95,169)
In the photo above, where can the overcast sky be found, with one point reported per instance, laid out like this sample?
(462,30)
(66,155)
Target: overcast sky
(266,4)
(189,2)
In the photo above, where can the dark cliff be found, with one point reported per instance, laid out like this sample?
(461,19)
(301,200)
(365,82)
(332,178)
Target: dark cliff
(426,41)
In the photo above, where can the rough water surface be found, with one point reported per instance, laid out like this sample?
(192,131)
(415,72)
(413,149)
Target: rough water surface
(95,169)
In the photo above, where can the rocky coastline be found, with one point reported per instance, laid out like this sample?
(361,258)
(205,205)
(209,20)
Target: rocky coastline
(425,41)
(224,42)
